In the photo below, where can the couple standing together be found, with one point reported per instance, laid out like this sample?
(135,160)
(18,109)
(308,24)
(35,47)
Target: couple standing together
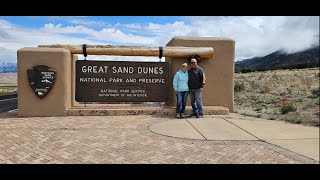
(190,82)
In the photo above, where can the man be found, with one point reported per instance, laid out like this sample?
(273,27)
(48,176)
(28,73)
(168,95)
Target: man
(196,83)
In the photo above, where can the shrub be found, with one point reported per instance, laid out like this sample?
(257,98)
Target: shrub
(238,87)
(288,107)
(261,76)
(8,91)
(266,86)
(274,76)
(315,122)
(295,117)
(254,85)
(315,92)
(271,118)
(306,81)
(246,70)
(289,90)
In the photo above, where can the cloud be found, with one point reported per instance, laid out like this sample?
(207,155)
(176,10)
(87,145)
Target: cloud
(87,22)
(112,35)
(51,28)
(14,38)
(130,26)
(160,33)
(254,35)
(117,36)
(175,28)
(259,36)
(165,32)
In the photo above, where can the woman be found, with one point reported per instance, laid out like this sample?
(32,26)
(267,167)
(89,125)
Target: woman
(180,86)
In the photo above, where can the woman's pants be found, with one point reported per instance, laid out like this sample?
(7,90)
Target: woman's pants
(181,101)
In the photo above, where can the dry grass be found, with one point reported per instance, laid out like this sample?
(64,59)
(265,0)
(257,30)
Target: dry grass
(288,95)
(8,83)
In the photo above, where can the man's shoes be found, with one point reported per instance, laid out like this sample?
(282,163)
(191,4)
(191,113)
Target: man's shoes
(197,116)
(193,115)
(178,115)
(183,115)
(201,115)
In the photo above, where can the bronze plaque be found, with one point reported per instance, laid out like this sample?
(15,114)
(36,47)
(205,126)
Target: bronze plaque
(41,79)
(110,81)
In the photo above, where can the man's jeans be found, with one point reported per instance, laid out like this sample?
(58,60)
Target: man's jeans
(181,101)
(196,101)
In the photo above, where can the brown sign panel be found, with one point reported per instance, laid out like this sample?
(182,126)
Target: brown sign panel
(110,81)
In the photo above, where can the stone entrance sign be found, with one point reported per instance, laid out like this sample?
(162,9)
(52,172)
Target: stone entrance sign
(106,81)
(113,81)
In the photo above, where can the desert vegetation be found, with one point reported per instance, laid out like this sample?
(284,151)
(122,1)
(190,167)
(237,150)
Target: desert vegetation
(287,95)
(8,83)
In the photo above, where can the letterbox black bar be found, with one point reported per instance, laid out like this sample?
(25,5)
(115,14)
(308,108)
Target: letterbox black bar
(84,50)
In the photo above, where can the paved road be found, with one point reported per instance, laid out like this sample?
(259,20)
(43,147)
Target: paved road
(119,139)
(8,102)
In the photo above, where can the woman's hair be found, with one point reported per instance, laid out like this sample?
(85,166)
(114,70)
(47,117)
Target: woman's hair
(195,56)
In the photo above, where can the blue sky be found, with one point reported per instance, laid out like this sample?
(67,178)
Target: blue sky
(254,35)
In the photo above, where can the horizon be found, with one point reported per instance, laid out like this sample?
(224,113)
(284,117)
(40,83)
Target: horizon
(255,36)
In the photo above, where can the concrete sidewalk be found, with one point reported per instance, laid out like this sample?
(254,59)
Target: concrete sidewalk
(300,139)
(154,139)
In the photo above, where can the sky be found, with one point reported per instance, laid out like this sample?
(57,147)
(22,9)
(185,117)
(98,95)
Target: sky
(254,35)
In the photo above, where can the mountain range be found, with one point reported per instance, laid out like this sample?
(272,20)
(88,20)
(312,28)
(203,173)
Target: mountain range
(8,67)
(281,60)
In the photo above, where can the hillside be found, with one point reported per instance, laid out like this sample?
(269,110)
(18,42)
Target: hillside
(287,95)
(281,60)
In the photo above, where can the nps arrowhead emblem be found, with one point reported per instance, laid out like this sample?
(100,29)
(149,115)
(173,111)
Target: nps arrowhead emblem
(41,79)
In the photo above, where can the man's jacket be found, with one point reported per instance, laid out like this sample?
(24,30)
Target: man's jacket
(196,78)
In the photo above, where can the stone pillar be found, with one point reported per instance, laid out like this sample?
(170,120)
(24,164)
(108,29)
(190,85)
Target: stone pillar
(219,70)
(58,100)
(73,80)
